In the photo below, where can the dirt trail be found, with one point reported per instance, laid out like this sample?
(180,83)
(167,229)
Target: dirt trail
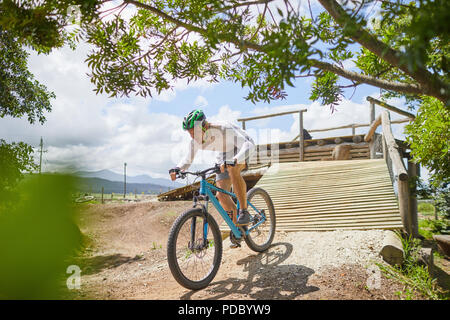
(127,260)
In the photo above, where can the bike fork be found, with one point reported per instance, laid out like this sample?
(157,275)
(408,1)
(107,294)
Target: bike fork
(192,244)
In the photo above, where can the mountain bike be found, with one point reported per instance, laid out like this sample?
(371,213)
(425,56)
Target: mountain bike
(194,247)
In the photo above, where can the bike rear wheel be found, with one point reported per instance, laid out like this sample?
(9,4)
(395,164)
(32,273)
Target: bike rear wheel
(260,238)
(193,260)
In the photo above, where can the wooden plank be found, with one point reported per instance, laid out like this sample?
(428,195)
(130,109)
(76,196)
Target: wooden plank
(319,187)
(387,226)
(353,195)
(296,210)
(344,222)
(323,202)
(269,155)
(334,178)
(283,219)
(338,170)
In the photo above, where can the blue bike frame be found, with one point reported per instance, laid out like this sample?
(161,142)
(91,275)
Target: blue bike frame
(205,189)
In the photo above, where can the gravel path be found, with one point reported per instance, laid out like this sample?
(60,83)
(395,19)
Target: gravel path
(129,261)
(318,250)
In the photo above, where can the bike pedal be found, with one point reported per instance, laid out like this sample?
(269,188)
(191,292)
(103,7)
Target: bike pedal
(235,245)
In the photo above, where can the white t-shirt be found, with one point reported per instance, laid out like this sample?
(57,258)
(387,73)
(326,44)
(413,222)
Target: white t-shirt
(230,141)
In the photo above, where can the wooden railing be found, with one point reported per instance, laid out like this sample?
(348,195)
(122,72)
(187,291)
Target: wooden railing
(406,199)
(301,138)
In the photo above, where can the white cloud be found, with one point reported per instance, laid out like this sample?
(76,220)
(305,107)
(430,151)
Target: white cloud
(226,114)
(201,102)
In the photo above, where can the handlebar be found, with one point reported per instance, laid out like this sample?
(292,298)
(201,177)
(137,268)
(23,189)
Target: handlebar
(215,169)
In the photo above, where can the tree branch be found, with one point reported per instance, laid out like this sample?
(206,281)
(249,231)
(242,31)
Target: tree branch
(430,83)
(405,88)
(380,83)
(242,44)
(242,4)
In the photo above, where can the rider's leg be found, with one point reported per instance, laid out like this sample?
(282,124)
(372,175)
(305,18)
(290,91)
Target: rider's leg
(224,199)
(239,185)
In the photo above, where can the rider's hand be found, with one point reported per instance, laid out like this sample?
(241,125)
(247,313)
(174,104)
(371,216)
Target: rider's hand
(173,173)
(229,163)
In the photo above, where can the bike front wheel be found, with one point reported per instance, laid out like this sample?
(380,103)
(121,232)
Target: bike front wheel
(194,249)
(261,208)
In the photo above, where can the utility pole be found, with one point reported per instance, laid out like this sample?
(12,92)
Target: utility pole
(124,179)
(41,144)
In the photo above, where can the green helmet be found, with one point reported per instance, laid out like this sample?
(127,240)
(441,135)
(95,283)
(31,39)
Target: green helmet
(192,117)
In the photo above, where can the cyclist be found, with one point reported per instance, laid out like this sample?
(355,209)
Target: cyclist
(234,146)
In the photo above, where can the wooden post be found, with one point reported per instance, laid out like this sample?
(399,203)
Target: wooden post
(243,125)
(403,204)
(353,130)
(372,151)
(301,139)
(103,190)
(413,170)
(124,179)
(372,112)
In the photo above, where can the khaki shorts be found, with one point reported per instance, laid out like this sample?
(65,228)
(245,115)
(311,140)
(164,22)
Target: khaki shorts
(228,156)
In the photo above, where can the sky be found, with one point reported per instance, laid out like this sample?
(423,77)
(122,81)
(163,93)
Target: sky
(90,132)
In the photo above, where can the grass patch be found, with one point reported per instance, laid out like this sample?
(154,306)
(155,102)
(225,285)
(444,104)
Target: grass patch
(412,274)
(155,246)
(426,208)
(430,227)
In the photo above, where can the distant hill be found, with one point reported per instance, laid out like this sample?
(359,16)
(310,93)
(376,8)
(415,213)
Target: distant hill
(145,179)
(95,185)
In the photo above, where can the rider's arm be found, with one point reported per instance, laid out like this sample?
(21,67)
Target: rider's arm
(186,162)
(247,148)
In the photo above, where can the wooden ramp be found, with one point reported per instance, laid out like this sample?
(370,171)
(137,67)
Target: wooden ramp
(330,195)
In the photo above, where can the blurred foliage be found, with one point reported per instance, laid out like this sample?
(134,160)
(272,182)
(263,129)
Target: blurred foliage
(15,159)
(430,227)
(440,194)
(426,208)
(37,236)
